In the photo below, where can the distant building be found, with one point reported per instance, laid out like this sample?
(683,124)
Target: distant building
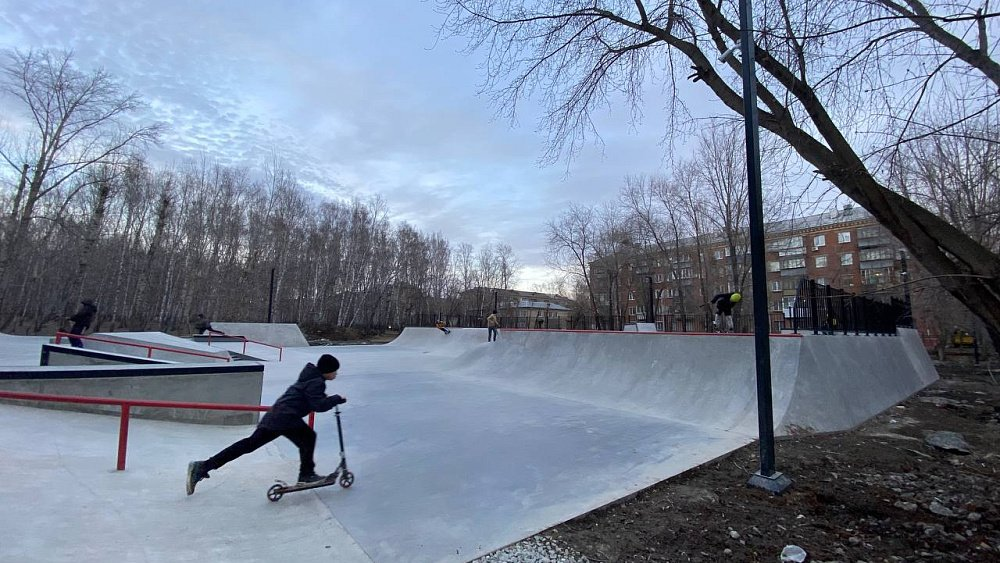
(519,309)
(846,248)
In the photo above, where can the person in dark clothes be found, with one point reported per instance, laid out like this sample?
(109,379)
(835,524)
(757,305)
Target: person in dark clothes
(306,395)
(82,321)
(724,310)
(202,324)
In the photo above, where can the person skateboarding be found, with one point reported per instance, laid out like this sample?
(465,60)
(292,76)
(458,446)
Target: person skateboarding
(724,303)
(441,326)
(306,395)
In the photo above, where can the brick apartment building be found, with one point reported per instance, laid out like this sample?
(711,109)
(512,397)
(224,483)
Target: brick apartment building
(845,248)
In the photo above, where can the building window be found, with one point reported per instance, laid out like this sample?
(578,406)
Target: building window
(658,278)
(774,266)
(821,261)
(631,310)
(821,281)
(786,244)
(844,237)
(776,285)
(819,241)
(717,254)
(792,263)
(631,296)
(846,259)
(876,254)
(790,284)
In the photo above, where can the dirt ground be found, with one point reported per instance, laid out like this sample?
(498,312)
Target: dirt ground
(877,493)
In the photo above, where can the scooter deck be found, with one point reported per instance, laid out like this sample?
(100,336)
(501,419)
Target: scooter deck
(330,479)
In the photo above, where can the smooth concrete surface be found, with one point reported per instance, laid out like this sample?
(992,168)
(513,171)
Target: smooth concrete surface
(459,446)
(276,334)
(238,384)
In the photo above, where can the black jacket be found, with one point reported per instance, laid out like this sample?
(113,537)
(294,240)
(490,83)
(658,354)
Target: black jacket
(723,304)
(306,395)
(84,316)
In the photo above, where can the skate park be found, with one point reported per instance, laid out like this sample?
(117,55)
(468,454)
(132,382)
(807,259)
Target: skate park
(459,446)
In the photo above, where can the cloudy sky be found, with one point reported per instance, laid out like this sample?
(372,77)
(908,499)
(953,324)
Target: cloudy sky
(357,97)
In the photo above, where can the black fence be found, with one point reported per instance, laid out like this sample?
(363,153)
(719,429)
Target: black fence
(827,310)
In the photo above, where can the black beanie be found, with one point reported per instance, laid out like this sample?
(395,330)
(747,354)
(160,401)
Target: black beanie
(327,364)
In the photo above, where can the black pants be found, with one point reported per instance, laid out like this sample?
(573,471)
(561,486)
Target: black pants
(76,329)
(300,435)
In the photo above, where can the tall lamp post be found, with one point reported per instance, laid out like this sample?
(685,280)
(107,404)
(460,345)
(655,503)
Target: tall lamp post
(766,478)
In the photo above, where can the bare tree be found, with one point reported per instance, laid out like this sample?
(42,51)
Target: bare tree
(571,243)
(827,71)
(77,120)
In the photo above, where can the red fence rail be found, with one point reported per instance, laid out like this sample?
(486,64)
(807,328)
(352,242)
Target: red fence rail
(149,347)
(127,404)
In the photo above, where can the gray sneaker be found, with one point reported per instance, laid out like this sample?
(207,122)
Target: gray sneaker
(196,472)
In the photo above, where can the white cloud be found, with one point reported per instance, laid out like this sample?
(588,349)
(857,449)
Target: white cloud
(358,98)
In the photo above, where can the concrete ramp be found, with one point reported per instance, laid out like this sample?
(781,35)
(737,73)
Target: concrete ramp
(275,334)
(819,383)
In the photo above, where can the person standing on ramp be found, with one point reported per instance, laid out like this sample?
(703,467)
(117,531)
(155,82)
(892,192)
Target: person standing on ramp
(306,395)
(492,326)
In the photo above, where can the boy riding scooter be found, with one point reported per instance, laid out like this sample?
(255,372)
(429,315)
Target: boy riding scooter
(306,395)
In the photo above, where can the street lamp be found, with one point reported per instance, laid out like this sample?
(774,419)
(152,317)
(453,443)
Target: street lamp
(766,478)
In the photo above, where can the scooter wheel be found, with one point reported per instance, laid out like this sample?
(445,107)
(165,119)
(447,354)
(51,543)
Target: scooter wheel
(347,479)
(275,493)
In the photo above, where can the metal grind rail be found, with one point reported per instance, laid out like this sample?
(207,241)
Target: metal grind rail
(244,339)
(148,347)
(126,406)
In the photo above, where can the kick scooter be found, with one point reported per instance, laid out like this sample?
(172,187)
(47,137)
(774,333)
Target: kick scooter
(346,477)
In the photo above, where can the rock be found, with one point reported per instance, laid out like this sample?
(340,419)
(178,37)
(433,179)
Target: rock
(940,509)
(974,517)
(907,506)
(793,554)
(734,534)
(948,441)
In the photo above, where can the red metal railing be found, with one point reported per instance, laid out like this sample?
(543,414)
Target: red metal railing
(127,404)
(245,340)
(148,347)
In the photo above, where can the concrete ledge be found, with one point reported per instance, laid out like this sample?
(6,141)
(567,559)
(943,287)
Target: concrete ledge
(59,355)
(239,384)
(275,334)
